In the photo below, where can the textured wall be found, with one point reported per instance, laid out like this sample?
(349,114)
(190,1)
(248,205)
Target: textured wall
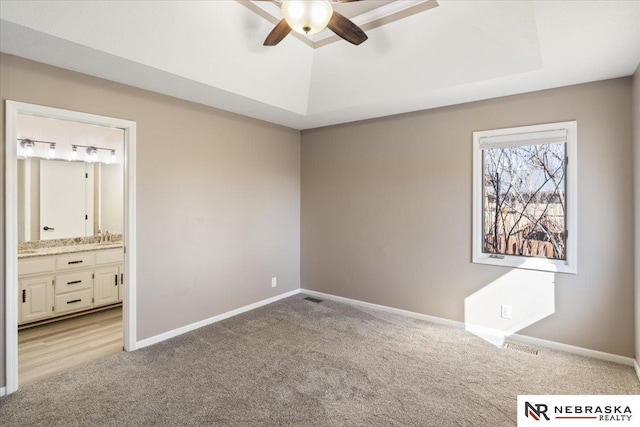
(218,195)
(386,211)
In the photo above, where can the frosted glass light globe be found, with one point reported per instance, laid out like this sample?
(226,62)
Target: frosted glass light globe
(307,17)
(28,147)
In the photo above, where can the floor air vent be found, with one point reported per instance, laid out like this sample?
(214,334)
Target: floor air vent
(522,348)
(313,299)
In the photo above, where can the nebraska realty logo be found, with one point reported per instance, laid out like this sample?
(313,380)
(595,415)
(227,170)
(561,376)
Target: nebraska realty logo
(582,410)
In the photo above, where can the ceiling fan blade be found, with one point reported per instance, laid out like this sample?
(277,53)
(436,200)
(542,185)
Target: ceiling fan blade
(346,29)
(276,35)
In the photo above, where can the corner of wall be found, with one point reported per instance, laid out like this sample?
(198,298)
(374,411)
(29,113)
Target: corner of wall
(635,117)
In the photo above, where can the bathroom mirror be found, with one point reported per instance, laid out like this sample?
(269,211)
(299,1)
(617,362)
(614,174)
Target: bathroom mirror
(60,199)
(70,179)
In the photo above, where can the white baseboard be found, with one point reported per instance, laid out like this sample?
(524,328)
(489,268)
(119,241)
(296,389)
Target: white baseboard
(434,319)
(490,335)
(484,331)
(572,349)
(461,325)
(413,314)
(3,391)
(179,331)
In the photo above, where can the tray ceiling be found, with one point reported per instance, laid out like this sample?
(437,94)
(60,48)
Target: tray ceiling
(212,53)
(366,14)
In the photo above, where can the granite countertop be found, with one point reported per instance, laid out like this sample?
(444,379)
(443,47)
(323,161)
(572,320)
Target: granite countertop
(59,250)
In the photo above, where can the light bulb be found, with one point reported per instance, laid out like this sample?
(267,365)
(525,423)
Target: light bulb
(51,154)
(92,153)
(307,17)
(74,153)
(27,147)
(112,157)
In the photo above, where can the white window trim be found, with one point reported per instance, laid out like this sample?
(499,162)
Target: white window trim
(499,136)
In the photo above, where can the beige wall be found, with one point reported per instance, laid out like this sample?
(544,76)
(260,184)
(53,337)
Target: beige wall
(218,196)
(385,204)
(636,168)
(386,211)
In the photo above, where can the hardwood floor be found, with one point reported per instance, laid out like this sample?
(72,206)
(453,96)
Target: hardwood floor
(47,350)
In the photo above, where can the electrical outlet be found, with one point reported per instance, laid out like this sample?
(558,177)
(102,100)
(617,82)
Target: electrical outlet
(274,282)
(506,311)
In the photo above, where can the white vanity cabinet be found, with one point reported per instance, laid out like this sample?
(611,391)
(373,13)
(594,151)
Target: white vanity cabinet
(73,291)
(108,277)
(121,284)
(57,285)
(35,297)
(105,290)
(36,282)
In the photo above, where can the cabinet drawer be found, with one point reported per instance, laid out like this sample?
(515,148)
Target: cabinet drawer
(109,256)
(78,260)
(73,301)
(72,282)
(36,266)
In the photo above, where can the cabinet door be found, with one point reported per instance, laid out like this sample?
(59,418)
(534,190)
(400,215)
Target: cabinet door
(105,287)
(36,298)
(121,284)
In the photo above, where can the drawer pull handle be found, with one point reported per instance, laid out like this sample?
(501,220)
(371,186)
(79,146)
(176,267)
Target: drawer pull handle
(75,262)
(74,282)
(115,282)
(74,300)
(24,295)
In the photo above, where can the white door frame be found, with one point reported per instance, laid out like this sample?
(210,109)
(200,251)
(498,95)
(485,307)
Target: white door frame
(13,108)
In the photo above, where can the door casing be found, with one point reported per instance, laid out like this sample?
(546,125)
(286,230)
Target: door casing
(12,109)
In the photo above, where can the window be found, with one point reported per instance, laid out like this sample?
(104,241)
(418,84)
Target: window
(524,202)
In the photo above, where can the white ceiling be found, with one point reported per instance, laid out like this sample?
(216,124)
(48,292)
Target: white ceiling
(211,53)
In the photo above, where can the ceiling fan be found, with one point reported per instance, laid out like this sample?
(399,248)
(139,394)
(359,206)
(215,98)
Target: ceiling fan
(312,16)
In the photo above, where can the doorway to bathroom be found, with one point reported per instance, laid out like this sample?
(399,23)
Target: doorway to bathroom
(70,244)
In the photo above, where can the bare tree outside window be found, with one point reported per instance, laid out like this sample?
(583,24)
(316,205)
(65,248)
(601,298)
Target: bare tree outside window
(524,200)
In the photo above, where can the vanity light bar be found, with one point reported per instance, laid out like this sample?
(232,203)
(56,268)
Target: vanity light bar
(28,146)
(92,147)
(92,152)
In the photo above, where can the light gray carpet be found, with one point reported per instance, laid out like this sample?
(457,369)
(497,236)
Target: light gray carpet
(298,363)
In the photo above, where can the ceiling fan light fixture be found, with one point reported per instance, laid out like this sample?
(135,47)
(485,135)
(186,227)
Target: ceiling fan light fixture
(307,17)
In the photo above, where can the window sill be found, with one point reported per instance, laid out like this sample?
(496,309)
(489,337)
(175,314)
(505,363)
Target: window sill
(539,264)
